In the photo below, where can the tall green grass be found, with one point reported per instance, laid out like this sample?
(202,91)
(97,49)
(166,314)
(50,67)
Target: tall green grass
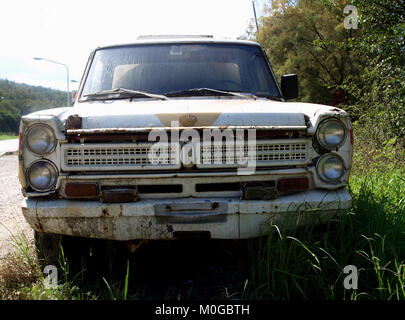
(308,263)
(21,277)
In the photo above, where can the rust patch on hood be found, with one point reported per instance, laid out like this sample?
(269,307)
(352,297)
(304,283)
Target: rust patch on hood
(189,119)
(73,122)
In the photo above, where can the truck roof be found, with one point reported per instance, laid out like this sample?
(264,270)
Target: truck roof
(161,39)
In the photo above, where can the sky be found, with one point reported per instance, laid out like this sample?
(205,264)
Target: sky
(67,31)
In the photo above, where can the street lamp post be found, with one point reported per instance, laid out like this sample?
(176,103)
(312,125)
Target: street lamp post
(254,12)
(67,74)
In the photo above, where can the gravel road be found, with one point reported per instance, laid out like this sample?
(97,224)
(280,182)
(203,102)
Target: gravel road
(11,218)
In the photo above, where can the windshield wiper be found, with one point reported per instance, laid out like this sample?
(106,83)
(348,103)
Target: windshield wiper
(274,98)
(208,91)
(119,93)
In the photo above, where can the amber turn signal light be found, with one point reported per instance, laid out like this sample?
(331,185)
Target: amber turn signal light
(81,190)
(293,185)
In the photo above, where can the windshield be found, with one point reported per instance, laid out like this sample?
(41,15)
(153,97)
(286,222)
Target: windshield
(170,68)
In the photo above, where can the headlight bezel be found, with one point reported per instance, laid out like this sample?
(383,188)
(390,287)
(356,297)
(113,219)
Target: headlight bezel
(320,173)
(323,124)
(55,177)
(51,145)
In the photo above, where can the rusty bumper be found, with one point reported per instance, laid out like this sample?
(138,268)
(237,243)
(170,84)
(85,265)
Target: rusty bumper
(223,218)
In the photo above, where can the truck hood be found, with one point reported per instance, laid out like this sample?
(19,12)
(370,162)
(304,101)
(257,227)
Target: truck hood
(194,112)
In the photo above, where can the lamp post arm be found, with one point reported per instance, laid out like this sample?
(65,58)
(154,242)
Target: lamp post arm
(67,74)
(68,91)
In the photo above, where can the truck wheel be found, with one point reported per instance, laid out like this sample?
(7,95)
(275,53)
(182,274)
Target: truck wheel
(75,252)
(48,248)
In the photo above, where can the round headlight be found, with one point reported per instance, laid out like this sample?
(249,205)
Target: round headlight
(331,133)
(330,168)
(42,175)
(40,139)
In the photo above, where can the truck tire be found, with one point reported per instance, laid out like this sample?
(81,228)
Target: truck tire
(75,252)
(48,248)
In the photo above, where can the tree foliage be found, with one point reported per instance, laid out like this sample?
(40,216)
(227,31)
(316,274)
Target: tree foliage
(308,37)
(304,37)
(17,100)
(378,92)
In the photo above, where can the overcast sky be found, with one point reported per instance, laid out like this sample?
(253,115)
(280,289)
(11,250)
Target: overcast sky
(66,31)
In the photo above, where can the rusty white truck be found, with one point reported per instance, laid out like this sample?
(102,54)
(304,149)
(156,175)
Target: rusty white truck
(182,136)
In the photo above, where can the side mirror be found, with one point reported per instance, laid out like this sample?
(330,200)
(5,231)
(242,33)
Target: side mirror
(74,95)
(289,86)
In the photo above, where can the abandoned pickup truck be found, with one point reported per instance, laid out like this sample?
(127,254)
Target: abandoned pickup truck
(170,137)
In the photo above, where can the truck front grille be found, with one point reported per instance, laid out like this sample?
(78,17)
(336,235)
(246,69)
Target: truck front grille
(139,156)
(265,153)
(133,156)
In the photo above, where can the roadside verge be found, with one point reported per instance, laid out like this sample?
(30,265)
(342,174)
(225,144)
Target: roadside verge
(8,153)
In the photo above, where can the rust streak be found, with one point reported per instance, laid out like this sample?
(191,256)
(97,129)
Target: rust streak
(121,208)
(105,212)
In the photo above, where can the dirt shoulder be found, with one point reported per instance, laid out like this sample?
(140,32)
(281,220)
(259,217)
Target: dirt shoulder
(11,218)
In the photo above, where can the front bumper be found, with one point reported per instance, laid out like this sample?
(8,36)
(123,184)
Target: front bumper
(223,218)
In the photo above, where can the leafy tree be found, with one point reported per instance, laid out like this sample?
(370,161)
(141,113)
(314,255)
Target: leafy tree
(365,64)
(378,93)
(304,37)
